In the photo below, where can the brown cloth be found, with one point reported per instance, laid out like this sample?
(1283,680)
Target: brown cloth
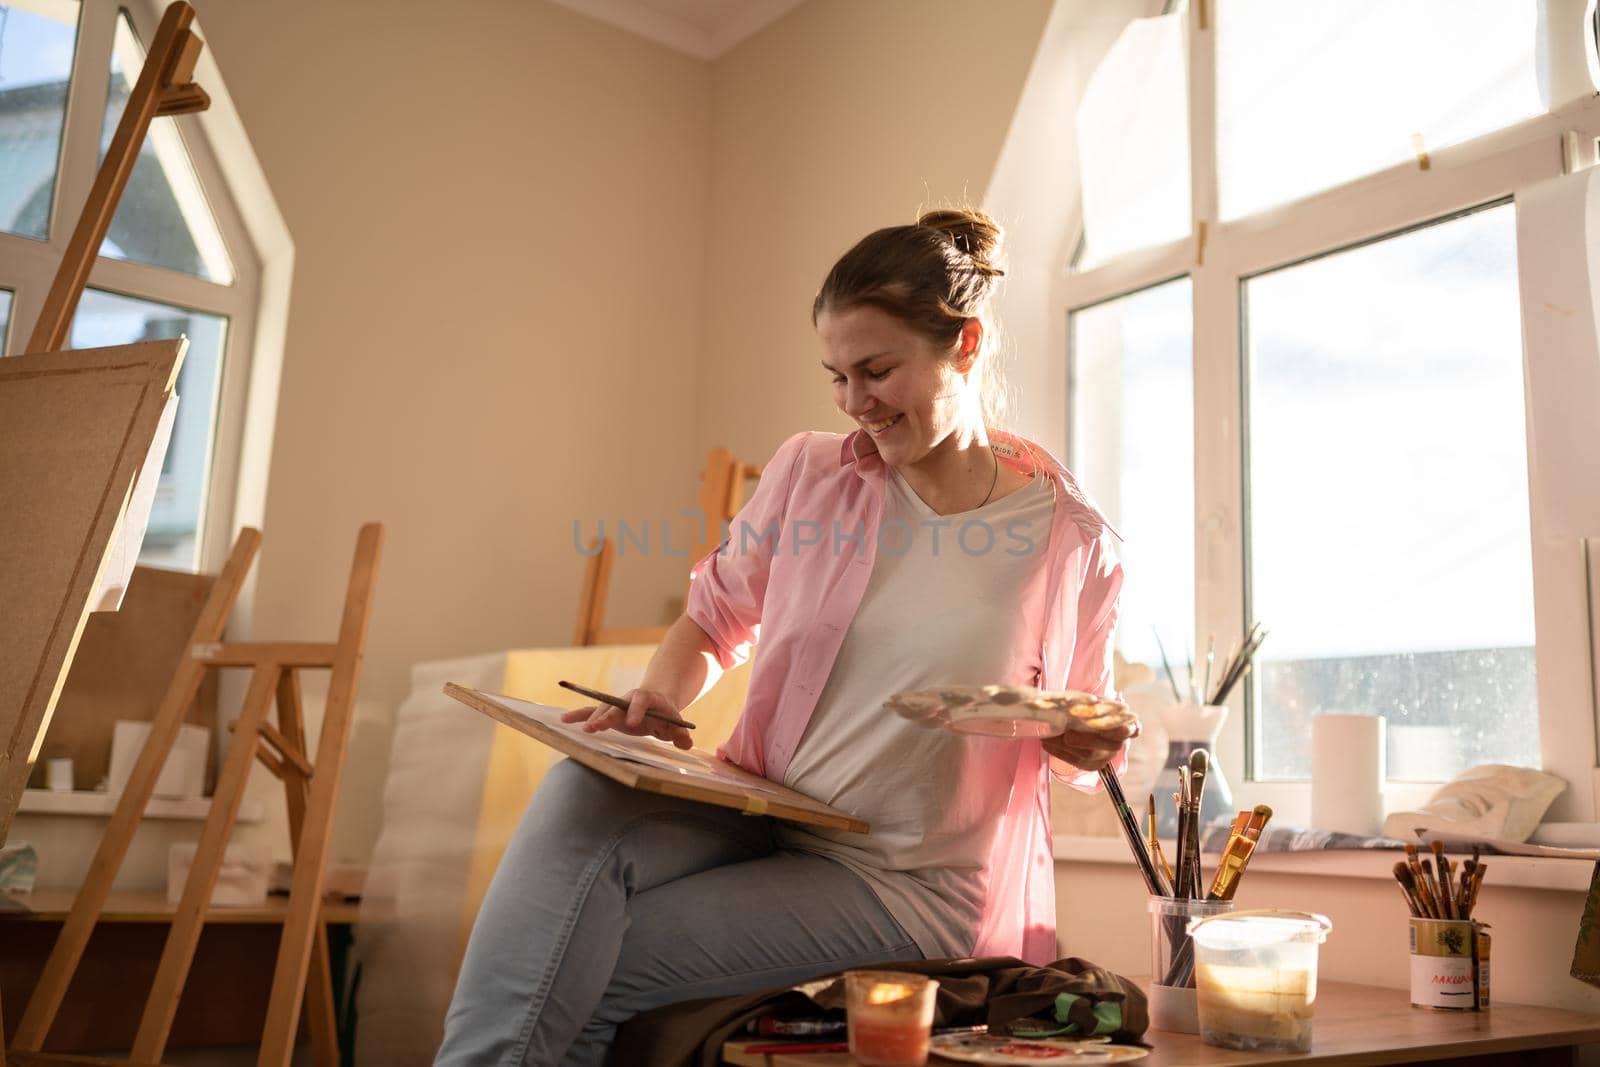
(994,990)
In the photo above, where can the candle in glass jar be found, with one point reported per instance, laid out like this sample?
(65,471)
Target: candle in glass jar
(890,1017)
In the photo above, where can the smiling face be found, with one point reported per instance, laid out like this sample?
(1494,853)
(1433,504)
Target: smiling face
(895,383)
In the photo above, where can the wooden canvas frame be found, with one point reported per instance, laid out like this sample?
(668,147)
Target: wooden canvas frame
(737,787)
(77,428)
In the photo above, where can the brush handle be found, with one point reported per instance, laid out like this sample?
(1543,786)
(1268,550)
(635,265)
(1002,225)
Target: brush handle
(1130,830)
(618,702)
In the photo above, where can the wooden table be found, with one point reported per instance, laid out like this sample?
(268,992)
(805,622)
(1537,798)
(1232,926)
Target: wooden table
(223,1002)
(1356,1026)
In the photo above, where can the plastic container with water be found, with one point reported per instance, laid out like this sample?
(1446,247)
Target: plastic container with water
(1256,977)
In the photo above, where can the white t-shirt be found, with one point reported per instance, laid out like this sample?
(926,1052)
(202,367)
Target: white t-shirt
(953,600)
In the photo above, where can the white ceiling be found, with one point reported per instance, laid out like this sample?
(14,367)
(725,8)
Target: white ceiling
(701,28)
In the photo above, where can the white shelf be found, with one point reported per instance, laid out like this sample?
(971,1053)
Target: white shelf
(82,802)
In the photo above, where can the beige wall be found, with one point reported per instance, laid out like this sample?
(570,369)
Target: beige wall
(499,210)
(839,119)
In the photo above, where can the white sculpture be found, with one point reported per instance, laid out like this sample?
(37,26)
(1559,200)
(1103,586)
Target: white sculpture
(1493,801)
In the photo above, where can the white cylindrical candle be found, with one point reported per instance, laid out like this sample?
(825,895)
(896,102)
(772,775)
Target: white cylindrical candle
(1347,773)
(58,775)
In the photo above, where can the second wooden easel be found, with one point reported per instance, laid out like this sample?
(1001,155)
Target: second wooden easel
(302,968)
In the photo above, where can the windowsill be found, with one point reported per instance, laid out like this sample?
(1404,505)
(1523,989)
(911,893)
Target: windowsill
(84,802)
(1522,872)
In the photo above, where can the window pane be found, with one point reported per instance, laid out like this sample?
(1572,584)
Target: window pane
(1311,94)
(36,44)
(1132,427)
(163,218)
(1389,531)
(1133,142)
(103,318)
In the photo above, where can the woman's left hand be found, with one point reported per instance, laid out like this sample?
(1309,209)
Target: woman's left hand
(1090,752)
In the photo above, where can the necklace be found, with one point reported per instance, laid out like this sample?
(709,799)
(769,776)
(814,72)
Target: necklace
(993,481)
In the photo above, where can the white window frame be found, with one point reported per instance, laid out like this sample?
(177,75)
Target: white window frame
(1220,256)
(258,244)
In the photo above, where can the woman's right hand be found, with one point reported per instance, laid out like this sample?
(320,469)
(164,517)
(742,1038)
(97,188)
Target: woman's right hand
(634,721)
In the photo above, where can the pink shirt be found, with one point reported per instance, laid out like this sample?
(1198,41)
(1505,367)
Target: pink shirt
(791,573)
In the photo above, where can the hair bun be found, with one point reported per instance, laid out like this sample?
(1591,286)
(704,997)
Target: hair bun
(971,232)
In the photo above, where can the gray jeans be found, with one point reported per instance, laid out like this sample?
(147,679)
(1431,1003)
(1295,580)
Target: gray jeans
(610,901)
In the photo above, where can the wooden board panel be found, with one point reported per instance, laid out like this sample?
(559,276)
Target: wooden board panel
(124,665)
(76,429)
(703,777)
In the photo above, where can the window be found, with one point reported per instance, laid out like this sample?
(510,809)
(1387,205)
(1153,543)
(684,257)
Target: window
(107,319)
(37,41)
(1133,442)
(1311,94)
(1133,143)
(1388,535)
(184,254)
(163,218)
(1352,358)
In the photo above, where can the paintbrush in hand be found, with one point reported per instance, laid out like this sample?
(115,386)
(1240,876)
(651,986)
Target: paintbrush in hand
(618,702)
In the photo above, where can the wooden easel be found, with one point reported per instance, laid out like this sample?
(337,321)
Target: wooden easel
(310,791)
(165,87)
(722,482)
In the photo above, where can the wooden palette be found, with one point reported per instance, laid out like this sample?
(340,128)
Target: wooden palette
(1010,710)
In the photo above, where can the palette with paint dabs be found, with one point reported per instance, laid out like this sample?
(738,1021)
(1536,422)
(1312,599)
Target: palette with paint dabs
(1010,710)
(997,1051)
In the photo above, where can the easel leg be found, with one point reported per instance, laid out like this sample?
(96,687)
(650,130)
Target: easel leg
(156,1023)
(321,1022)
(302,927)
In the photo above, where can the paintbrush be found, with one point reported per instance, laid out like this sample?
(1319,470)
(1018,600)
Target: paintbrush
(618,702)
(1464,888)
(1240,821)
(1236,668)
(1439,908)
(1181,860)
(1199,764)
(1447,893)
(1477,883)
(1166,665)
(1235,857)
(1130,830)
(1257,822)
(1429,910)
(1155,844)
(1468,882)
(1408,887)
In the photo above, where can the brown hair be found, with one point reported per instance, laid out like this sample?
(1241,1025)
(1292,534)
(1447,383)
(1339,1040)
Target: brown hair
(933,275)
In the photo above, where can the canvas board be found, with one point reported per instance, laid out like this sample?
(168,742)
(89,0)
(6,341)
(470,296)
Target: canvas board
(656,767)
(75,429)
(124,665)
